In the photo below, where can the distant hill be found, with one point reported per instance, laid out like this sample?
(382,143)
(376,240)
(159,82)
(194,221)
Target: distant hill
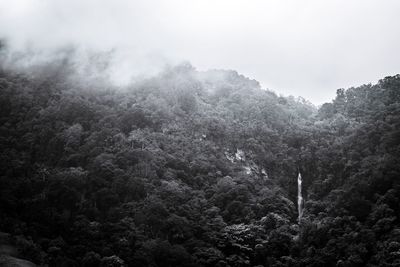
(193,168)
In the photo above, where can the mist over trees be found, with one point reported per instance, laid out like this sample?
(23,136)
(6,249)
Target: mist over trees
(195,168)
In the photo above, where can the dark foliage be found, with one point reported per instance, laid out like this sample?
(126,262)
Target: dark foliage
(197,169)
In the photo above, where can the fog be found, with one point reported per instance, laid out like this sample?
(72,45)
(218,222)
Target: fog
(305,48)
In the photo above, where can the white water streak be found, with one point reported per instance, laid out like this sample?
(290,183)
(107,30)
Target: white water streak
(299,196)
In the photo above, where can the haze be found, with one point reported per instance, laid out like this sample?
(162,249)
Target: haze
(301,48)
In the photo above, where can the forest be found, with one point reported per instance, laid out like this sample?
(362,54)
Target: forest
(195,168)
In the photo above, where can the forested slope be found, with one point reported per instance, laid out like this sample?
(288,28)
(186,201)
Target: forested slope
(194,168)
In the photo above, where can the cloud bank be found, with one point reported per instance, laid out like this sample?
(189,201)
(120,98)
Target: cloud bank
(308,48)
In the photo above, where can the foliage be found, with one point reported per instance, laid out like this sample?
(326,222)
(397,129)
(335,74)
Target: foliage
(147,175)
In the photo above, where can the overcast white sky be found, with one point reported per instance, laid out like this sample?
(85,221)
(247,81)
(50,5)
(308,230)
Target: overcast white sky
(299,47)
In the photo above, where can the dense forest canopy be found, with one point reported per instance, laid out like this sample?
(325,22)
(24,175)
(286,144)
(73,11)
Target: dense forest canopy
(196,168)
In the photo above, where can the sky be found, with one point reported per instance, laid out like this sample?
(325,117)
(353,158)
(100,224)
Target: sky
(305,48)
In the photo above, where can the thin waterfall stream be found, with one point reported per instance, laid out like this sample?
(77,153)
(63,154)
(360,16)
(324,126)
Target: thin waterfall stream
(299,196)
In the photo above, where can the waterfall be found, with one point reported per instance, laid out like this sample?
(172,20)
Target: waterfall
(299,196)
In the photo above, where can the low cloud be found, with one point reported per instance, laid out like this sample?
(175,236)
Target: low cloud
(308,48)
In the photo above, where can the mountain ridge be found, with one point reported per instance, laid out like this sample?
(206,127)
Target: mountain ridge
(95,176)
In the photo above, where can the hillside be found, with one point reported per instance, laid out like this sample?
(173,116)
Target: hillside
(193,168)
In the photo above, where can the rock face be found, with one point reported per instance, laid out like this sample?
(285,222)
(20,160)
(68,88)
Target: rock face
(9,261)
(9,254)
(248,166)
